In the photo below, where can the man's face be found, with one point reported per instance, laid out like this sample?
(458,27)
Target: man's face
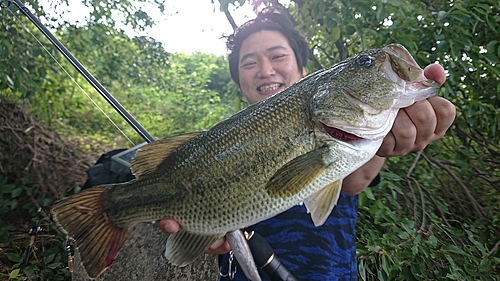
(267,65)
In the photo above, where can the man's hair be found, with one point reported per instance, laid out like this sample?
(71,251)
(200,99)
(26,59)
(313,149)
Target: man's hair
(270,18)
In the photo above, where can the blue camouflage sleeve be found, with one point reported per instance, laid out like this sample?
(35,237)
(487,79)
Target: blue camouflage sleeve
(327,252)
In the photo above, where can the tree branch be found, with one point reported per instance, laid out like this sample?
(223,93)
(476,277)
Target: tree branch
(478,209)
(230,19)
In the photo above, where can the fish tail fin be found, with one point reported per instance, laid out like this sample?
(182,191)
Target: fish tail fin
(83,218)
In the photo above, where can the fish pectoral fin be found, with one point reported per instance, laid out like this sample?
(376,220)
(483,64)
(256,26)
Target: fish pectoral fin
(297,174)
(184,247)
(150,156)
(321,203)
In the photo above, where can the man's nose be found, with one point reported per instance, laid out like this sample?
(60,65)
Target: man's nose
(266,69)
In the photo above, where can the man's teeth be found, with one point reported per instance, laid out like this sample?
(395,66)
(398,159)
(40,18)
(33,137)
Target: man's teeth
(271,87)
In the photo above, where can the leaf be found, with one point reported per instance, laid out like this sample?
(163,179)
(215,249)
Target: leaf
(454,248)
(397,3)
(491,46)
(8,188)
(478,245)
(9,80)
(362,270)
(408,226)
(492,23)
(385,265)
(49,258)
(335,33)
(470,269)
(380,275)
(47,202)
(14,273)
(432,240)
(54,265)
(14,257)
(16,192)
(369,194)
(374,249)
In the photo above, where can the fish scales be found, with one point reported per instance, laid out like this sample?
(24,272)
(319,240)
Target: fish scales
(296,146)
(259,135)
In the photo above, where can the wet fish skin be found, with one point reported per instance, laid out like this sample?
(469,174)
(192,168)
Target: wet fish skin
(295,146)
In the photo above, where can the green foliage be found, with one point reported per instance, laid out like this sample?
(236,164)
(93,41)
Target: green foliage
(48,259)
(23,61)
(167,93)
(21,68)
(411,236)
(435,216)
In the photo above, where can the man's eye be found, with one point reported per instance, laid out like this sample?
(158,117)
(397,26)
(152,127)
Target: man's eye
(278,56)
(247,64)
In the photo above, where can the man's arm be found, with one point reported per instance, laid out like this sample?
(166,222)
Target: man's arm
(359,180)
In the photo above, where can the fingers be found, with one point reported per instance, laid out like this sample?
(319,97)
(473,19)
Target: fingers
(421,123)
(445,113)
(168,226)
(435,72)
(387,147)
(401,138)
(418,125)
(220,247)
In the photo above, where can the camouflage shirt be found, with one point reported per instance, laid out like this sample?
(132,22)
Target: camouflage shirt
(321,253)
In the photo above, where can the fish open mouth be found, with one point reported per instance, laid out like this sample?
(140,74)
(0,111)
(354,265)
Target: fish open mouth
(339,134)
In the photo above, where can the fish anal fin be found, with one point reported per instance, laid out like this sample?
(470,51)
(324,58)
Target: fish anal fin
(321,203)
(184,247)
(149,157)
(83,218)
(296,174)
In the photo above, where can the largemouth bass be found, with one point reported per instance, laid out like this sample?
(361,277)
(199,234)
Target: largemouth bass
(293,147)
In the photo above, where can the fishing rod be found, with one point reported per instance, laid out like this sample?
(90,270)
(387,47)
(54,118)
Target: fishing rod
(35,229)
(90,78)
(257,249)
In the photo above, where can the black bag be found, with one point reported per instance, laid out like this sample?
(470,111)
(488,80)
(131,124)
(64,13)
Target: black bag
(101,172)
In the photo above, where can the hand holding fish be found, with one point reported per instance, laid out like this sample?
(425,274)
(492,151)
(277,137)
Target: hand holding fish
(421,123)
(414,128)
(294,147)
(170,226)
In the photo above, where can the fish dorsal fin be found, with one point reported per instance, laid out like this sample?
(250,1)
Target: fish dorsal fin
(296,174)
(321,203)
(148,157)
(184,247)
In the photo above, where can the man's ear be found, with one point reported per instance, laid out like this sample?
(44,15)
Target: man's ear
(304,72)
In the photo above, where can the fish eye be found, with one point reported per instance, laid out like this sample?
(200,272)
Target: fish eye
(365,60)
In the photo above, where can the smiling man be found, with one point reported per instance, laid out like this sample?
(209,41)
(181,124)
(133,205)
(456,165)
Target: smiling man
(267,55)
(267,65)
